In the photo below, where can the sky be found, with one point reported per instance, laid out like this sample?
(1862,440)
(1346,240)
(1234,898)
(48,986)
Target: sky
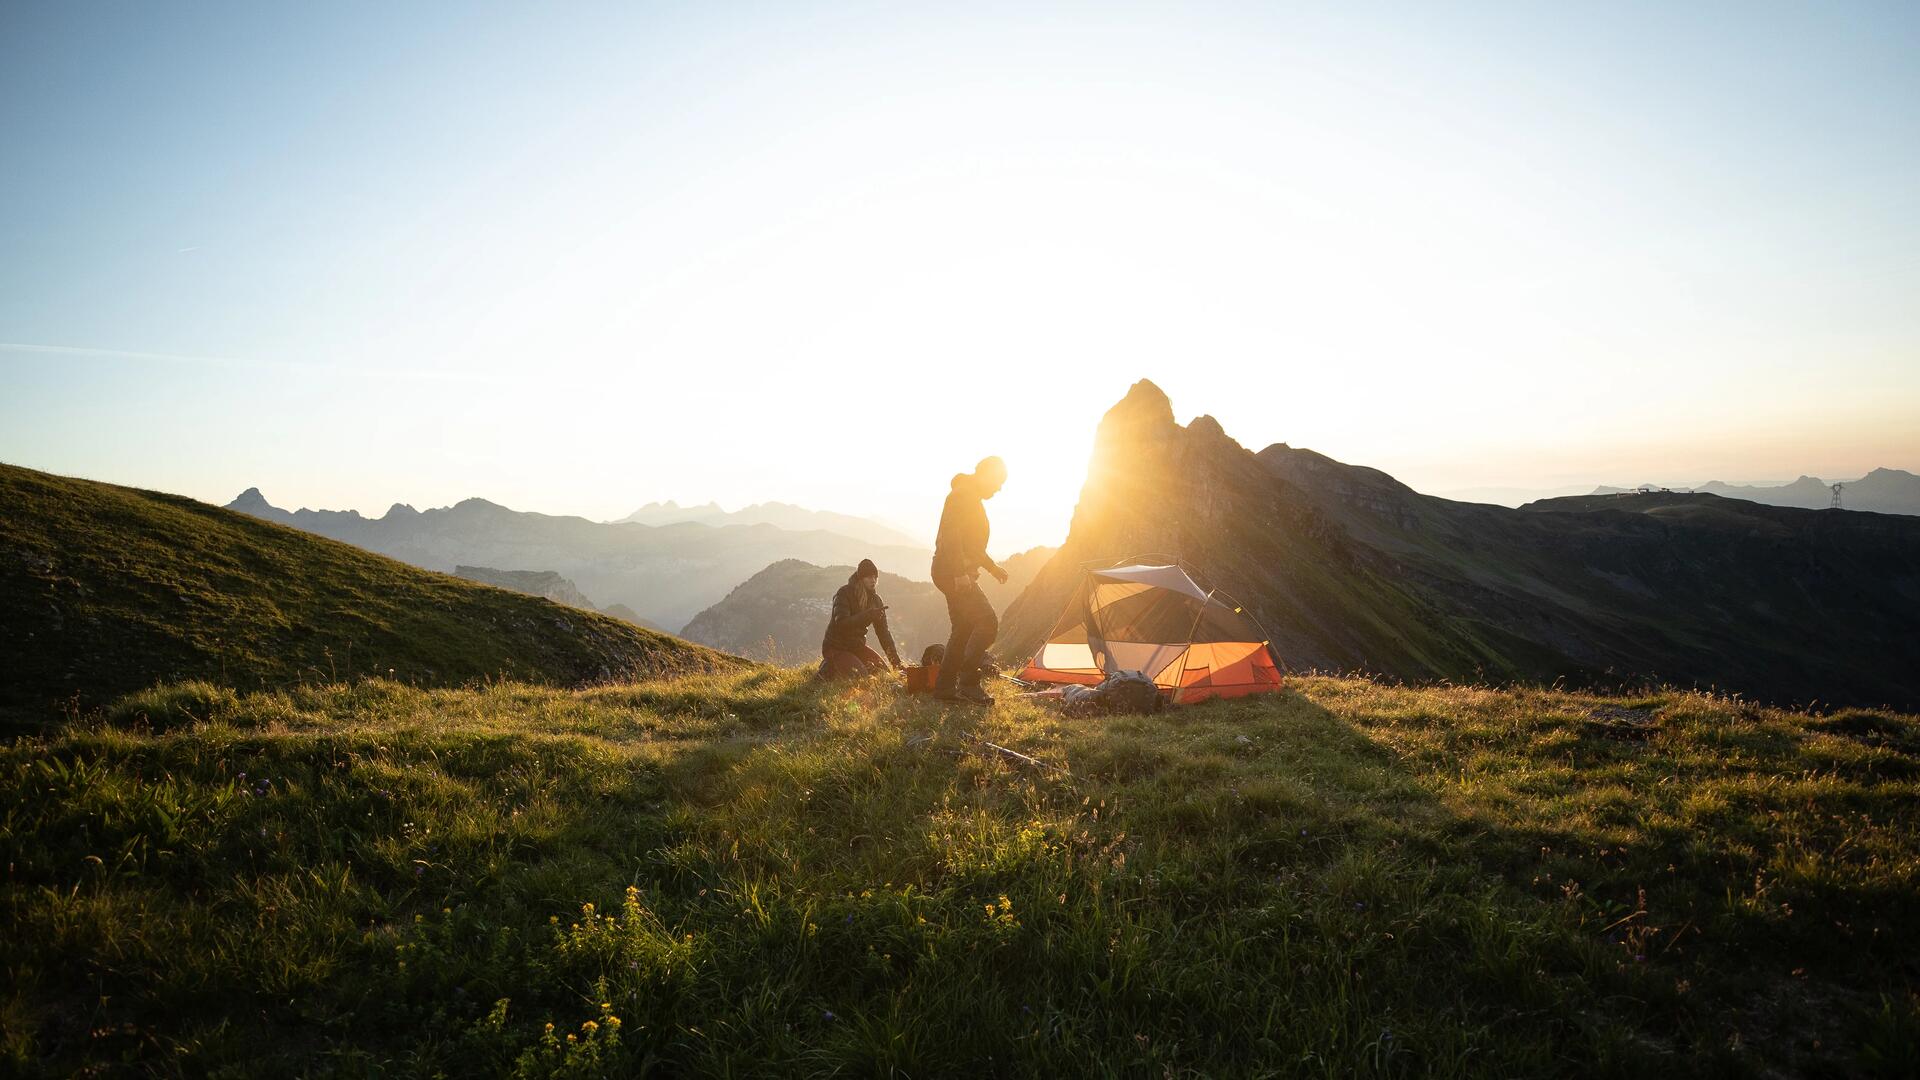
(575,258)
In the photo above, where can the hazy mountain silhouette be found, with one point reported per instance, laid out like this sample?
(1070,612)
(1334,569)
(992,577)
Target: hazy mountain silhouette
(1350,569)
(781,612)
(778,514)
(665,573)
(1882,491)
(544,583)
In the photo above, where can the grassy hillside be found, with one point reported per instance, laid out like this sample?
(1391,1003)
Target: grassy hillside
(749,874)
(106,589)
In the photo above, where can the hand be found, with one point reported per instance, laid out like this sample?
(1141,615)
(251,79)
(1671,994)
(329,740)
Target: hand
(999,575)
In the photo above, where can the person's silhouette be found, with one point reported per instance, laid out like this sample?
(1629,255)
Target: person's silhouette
(959,554)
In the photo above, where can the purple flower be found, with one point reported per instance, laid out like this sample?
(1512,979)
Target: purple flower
(829,1015)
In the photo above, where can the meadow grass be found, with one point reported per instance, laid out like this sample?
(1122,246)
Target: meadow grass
(752,874)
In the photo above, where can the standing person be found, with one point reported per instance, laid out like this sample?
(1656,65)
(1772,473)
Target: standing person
(959,554)
(856,606)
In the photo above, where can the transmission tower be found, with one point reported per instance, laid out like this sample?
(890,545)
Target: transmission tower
(1835,504)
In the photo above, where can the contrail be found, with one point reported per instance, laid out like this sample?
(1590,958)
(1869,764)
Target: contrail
(408,374)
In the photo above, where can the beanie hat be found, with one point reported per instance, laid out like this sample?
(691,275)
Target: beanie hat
(866,569)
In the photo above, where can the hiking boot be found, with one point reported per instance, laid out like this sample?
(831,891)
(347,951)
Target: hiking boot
(974,695)
(946,693)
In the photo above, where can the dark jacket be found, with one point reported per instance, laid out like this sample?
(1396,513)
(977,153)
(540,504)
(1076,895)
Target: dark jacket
(856,607)
(960,548)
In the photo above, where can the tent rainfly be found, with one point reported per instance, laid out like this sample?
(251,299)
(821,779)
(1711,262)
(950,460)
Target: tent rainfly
(1156,620)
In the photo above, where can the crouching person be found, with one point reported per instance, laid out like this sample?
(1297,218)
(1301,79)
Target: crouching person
(843,651)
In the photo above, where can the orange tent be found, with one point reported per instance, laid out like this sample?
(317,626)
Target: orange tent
(1154,619)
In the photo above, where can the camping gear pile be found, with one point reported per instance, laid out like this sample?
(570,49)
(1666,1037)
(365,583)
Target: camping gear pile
(1120,692)
(920,678)
(1152,620)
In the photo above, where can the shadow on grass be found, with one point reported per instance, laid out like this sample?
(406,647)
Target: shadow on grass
(835,878)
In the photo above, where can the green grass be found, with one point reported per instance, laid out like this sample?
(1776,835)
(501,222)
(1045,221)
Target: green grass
(750,874)
(106,590)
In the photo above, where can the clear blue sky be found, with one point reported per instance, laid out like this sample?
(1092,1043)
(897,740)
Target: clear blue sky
(575,258)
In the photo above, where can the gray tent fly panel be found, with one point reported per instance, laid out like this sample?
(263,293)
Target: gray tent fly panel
(1155,619)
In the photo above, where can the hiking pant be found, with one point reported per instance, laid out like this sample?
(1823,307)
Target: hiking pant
(974,627)
(849,663)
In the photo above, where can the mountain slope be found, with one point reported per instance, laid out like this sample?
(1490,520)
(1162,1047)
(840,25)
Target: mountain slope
(1350,569)
(781,612)
(107,589)
(667,573)
(542,583)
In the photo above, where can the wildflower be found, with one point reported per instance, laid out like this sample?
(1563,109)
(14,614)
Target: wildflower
(613,1021)
(553,920)
(829,1015)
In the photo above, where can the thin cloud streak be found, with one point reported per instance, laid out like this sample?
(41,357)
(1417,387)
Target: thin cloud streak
(256,364)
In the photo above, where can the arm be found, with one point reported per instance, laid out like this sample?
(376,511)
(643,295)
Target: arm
(844,614)
(886,639)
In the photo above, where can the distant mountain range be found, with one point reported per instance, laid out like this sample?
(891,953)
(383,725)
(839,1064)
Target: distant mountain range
(778,514)
(1882,491)
(547,584)
(667,573)
(106,590)
(780,613)
(1351,570)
